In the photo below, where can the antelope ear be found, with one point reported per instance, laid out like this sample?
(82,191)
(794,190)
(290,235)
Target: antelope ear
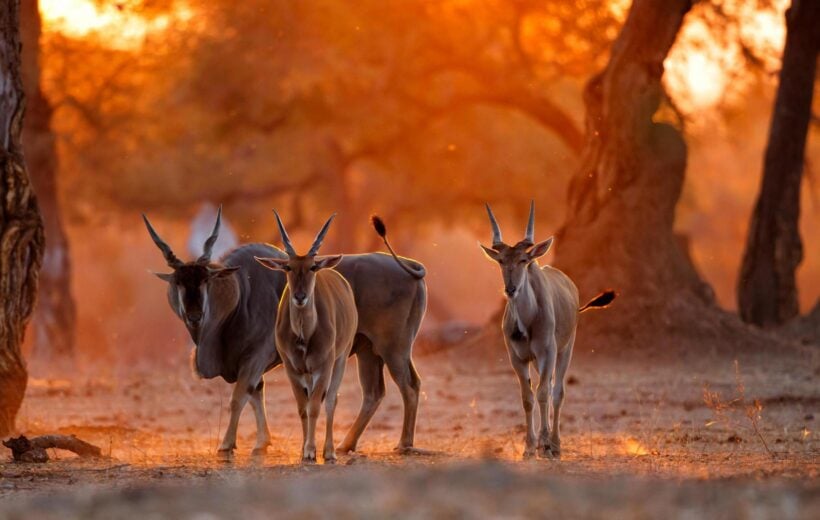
(165,277)
(223,272)
(492,254)
(276,264)
(541,248)
(328,262)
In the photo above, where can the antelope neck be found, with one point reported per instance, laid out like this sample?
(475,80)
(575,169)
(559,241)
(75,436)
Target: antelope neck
(522,304)
(303,319)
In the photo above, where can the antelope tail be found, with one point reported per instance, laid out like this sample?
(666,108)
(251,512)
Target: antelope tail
(416,271)
(600,302)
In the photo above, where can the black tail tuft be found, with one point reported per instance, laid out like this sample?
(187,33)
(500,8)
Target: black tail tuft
(600,301)
(378,223)
(413,268)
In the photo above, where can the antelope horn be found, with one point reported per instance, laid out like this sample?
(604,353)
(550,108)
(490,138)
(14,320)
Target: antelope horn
(529,236)
(285,238)
(169,255)
(317,242)
(209,244)
(496,230)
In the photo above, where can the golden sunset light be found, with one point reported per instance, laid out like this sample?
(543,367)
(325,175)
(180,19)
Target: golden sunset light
(703,69)
(480,258)
(115,24)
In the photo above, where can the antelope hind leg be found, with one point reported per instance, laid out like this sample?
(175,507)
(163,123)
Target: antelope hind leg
(409,383)
(546,371)
(371,379)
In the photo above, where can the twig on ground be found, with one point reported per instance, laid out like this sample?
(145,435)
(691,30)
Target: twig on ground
(24,449)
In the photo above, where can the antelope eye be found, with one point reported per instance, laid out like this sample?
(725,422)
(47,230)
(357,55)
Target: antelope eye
(314,268)
(524,261)
(287,269)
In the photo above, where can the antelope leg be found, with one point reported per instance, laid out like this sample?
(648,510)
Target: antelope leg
(371,379)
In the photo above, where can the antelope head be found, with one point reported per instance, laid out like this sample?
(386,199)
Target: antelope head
(514,260)
(301,269)
(190,280)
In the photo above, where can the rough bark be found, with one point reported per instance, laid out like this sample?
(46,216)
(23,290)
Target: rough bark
(55,315)
(622,201)
(21,228)
(767,291)
(621,208)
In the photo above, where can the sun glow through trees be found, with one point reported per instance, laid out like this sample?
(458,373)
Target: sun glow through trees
(117,25)
(707,65)
(703,69)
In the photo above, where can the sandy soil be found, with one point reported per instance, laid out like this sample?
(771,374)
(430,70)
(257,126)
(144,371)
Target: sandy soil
(683,435)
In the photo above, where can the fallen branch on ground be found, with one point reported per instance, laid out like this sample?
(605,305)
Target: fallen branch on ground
(24,449)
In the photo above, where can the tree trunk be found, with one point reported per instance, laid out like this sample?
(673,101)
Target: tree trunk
(21,229)
(333,169)
(622,201)
(767,292)
(619,228)
(55,314)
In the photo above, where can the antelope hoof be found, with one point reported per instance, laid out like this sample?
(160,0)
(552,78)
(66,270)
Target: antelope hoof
(412,450)
(309,456)
(530,446)
(346,449)
(225,454)
(555,449)
(404,450)
(259,452)
(544,452)
(329,455)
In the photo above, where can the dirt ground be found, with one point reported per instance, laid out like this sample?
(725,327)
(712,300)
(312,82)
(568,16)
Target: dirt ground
(684,435)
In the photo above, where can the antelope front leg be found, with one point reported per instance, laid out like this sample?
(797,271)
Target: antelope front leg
(314,403)
(329,453)
(546,369)
(522,370)
(239,397)
(300,393)
(262,433)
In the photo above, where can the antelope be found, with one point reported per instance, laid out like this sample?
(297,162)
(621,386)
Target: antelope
(315,326)
(229,309)
(539,323)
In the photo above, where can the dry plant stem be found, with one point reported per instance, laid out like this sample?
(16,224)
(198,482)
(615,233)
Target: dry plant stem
(752,413)
(753,410)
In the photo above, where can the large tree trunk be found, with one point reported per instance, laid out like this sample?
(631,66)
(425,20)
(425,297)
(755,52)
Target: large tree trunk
(21,229)
(622,201)
(767,292)
(55,314)
(619,227)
